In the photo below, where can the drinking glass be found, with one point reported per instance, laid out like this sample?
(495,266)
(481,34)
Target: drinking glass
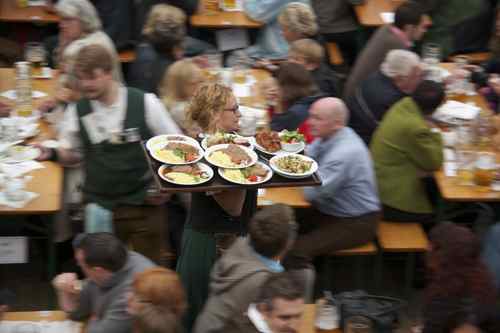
(358,324)
(465,166)
(229,4)
(36,55)
(485,169)
(211,6)
(431,53)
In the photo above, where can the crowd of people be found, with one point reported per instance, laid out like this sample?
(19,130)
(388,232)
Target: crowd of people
(368,125)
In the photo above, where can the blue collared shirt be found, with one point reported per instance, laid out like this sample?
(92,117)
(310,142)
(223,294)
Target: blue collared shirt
(273,265)
(270,41)
(345,167)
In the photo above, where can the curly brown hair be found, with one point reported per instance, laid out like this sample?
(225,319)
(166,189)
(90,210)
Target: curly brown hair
(208,101)
(456,266)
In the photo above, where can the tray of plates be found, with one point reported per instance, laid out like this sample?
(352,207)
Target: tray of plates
(251,171)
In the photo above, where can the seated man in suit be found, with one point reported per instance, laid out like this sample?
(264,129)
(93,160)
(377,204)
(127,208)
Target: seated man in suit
(406,147)
(399,75)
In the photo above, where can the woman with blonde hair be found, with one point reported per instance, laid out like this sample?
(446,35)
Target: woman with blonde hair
(295,15)
(179,83)
(157,301)
(297,21)
(216,218)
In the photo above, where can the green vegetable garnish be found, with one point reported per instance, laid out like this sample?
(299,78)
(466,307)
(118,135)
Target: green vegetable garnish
(291,136)
(179,152)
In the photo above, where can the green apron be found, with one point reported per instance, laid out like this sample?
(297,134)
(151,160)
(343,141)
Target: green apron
(116,173)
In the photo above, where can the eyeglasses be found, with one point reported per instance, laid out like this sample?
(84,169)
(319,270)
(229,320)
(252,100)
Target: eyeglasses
(234,109)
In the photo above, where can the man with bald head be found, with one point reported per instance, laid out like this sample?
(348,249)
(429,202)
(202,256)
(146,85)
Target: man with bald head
(344,209)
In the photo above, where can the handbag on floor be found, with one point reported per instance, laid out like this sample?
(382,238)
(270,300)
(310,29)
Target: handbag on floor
(382,311)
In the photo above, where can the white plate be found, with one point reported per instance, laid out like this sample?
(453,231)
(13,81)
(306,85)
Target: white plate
(281,151)
(31,153)
(250,153)
(274,166)
(202,166)
(154,154)
(162,139)
(260,181)
(249,140)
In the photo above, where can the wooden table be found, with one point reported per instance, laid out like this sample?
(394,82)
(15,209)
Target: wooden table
(307,320)
(223,20)
(47,181)
(35,316)
(369,12)
(10,12)
(448,186)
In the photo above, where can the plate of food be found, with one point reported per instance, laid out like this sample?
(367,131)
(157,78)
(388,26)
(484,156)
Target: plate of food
(19,153)
(256,174)
(193,174)
(177,153)
(275,143)
(293,165)
(160,140)
(230,156)
(220,138)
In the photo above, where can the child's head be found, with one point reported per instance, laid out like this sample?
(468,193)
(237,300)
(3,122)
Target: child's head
(306,52)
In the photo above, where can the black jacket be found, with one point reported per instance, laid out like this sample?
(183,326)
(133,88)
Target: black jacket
(370,102)
(147,71)
(326,80)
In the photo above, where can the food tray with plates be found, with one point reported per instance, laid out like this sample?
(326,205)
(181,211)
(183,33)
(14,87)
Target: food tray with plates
(207,177)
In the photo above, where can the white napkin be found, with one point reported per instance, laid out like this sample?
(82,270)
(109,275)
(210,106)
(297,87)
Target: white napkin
(37,3)
(450,169)
(241,90)
(17,169)
(387,17)
(11,94)
(4,201)
(65,326)
(456,110)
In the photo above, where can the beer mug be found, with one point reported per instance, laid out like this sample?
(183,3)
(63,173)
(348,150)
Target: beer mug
(485,169)
(35,54)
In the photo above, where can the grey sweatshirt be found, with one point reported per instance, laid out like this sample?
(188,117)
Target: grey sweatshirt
(108,303)
(235,280)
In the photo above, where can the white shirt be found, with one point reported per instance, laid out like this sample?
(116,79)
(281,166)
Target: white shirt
(109,119)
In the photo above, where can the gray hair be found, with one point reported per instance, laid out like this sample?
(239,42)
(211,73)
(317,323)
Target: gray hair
(83,10)
(399,63)
(299,18)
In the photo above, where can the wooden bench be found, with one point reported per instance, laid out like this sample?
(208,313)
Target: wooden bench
(474,58)
(359,252)
(126,56)
(403,238)
(334,54)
